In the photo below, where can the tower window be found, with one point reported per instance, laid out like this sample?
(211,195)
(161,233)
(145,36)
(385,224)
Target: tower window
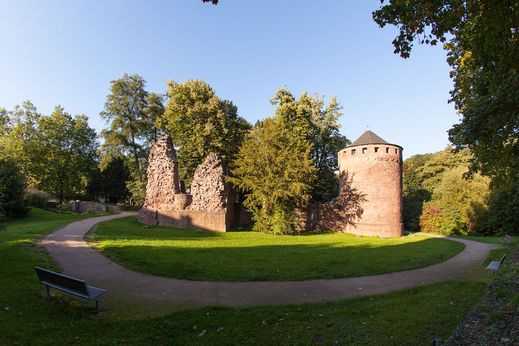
(387,150)
(353,151)
(376,149)
(364,150)
(396,151)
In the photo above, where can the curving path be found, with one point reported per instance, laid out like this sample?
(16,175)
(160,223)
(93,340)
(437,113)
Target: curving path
(133,290)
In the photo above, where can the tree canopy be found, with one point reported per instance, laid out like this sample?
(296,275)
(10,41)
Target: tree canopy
(55,152)
(481,39)
(308,119)
(199,122)
(275,170)
(132,114)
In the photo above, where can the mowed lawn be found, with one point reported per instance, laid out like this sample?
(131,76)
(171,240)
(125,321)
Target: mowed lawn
(252,256)
(28,317)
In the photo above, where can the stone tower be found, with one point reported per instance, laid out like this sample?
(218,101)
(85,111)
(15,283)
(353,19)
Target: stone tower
(374,168)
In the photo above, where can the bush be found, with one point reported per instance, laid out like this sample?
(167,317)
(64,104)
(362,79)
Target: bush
(12,186)
(37,198)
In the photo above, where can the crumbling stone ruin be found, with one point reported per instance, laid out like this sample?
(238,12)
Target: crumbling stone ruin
(369,202)
(209,206)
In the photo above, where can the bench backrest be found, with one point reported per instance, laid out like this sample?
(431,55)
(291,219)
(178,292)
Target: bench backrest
(502,259)
(50,277)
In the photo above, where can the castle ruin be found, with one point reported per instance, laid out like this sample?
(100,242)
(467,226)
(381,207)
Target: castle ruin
(369,201)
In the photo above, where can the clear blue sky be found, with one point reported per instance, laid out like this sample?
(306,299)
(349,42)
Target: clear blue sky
(67,52)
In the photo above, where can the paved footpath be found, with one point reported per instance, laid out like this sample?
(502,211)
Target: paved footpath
(127,288)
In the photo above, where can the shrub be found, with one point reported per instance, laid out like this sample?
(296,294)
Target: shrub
(12,186)
(37,198)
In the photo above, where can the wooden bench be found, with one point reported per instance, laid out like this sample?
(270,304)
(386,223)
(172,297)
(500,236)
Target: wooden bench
(70,285)
(495,265)
(507,240)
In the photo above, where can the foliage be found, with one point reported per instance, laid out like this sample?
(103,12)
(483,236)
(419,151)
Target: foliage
(36,198)
(199,122)
(422,174)
(12,185)
(187,254)
(274,168)
(503,215)
(19,141)
(309,120)
(69,153)
(458,205)
(481,39)
(54,152)
(132,114)
(110,182)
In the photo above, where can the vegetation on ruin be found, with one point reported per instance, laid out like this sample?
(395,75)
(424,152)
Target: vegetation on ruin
(412,316)
(253,256)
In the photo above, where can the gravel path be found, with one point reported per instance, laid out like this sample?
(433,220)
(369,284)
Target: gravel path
(138,291)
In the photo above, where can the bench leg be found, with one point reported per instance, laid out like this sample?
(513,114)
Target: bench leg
(98,309)
(48,291)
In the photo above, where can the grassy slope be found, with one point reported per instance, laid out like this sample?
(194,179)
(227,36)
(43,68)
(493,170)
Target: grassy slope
(411,317)
(248,256)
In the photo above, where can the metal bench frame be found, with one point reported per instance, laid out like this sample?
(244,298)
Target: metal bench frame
(495,265)
(73,286)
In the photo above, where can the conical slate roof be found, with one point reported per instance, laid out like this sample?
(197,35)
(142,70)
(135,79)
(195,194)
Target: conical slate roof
(368,137)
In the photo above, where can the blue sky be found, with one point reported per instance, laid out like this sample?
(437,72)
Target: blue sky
(67,52)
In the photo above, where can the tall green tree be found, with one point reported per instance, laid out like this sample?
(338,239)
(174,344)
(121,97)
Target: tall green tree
(482,42)
(19,141)
(69,149)
(275,170)
(109,183)
(310,120)
(132,114)
(199,122)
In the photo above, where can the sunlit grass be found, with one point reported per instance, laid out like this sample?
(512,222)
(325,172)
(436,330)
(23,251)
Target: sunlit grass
(27,317)
(249,256)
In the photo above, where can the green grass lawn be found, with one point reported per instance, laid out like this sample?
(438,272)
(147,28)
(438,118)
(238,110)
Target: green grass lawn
(250,256)
(410,317)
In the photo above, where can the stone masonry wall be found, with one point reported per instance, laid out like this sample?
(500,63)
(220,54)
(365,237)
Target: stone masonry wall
(163,182)
(209,189)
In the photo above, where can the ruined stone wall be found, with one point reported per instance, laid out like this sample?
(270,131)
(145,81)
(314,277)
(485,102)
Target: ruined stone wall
(209,188)
(375,170)
(163,182)
(207,205)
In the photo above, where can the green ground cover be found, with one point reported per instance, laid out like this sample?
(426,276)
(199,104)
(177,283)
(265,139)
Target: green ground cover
(489,239)
(252,256)
(410,317)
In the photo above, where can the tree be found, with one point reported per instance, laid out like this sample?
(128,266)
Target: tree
(422,175)
(132,113)
(109,183)
(275,170)
(482,40)
(199,122)
(309,120)
(458,205)
(68,153)
(20,142)
(12,186)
